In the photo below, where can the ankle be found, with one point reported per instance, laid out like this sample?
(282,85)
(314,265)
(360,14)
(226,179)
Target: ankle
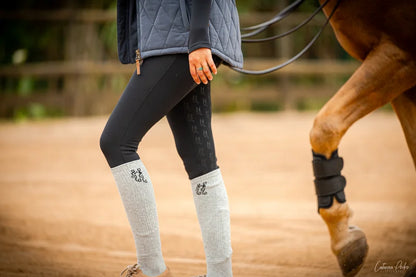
(223,269)
(153,267)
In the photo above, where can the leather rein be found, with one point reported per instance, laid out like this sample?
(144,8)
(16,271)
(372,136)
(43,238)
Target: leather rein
(256,29)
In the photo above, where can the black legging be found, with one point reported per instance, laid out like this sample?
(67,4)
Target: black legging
(165,87)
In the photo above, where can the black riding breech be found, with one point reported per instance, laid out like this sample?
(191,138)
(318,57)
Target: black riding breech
(165,87)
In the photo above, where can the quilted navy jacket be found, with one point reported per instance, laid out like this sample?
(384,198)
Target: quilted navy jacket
(160,27)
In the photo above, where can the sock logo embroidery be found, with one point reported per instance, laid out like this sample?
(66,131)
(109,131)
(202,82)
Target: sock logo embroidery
(138,175)
(200,189)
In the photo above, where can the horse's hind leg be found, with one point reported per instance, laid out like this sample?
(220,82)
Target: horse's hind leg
(385,73)
(405,107)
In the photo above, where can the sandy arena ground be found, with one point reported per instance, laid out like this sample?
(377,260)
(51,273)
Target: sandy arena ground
(60,212)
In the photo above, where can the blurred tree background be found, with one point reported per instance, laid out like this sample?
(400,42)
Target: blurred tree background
(60,58)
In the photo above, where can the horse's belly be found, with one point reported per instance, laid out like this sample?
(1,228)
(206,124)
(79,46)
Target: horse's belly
(361,25)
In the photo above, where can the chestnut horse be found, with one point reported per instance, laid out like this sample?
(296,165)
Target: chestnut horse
(381,34)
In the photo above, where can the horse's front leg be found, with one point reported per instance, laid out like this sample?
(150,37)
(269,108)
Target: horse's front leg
(405,107)
(384,74)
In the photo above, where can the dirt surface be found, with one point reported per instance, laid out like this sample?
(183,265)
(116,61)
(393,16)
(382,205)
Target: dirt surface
(61,215)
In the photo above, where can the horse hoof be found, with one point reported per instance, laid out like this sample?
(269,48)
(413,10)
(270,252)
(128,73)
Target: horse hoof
(351,257)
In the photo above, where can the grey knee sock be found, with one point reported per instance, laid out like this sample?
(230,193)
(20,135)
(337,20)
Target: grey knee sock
(137,194)
(223,268)
(211,204)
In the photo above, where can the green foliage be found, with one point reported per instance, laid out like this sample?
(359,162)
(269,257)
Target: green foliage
(311,103)
(32,41)
(387,108)
(35,111)
(108,35)
(118,83)
(259,5)
(266,106)
(228,108)
(246,6)
(25,86)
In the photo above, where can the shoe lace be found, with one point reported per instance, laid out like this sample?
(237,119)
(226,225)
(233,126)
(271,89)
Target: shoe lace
(130,270)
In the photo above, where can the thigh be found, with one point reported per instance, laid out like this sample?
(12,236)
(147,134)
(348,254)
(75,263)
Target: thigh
(190,121)
(164,81)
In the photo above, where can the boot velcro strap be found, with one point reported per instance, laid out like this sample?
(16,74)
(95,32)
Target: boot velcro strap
(327,168)
(330,186)
(325,202)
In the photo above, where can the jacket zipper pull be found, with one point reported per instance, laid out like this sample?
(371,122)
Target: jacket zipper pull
(139,61)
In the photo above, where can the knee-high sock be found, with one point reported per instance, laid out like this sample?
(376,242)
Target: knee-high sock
(211,204)
(138,197)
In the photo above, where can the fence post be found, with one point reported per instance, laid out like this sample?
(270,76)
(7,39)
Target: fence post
(284,51)
(82,43)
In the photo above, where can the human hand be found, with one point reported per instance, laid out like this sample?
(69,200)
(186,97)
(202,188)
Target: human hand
(201,65)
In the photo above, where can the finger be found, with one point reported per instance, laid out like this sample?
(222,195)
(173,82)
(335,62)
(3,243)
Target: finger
(212,65)
(202,76)
(194,74)
(207,71)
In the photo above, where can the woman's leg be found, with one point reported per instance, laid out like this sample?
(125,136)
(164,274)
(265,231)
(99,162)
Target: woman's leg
(190,121)
(164,81)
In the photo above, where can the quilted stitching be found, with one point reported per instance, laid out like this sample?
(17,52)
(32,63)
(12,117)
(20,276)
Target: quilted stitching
(159,23)
(225,34)
(162,29)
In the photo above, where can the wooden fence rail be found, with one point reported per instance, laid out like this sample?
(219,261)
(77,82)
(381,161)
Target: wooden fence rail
(100,16)
(82,96)
(83,82)
(50,69)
